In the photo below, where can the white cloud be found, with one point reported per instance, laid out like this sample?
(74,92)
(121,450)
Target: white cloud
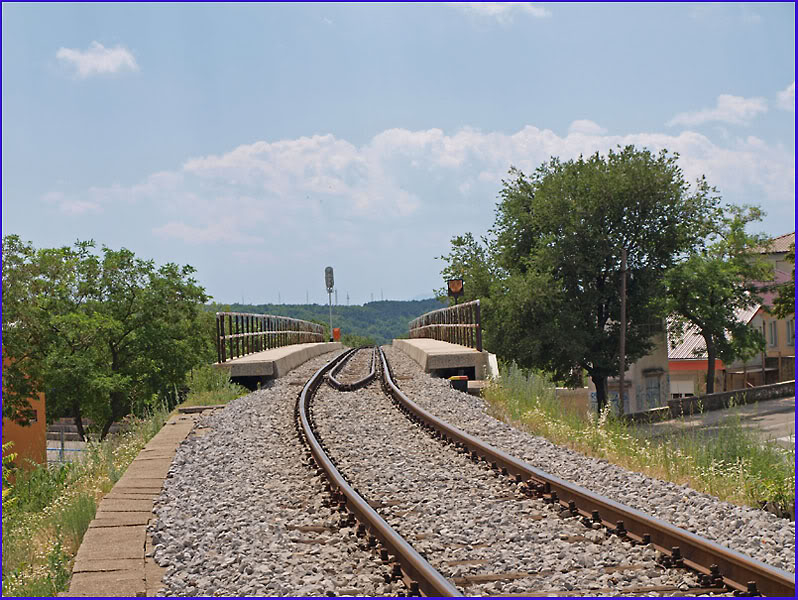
(321,192)
(71,206)
(98,60)
(503,12)
(586,127)
(735,110)
(224,230)
(787,98)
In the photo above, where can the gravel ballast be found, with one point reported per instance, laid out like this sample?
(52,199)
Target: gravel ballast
(241,512)
(756,533)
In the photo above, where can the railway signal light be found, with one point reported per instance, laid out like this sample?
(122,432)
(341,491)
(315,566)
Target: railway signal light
(329,281)
(455,287)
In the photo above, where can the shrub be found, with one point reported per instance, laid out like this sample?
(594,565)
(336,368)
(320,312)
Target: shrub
(355,341)
(49,509)
(209,386)
(730,462)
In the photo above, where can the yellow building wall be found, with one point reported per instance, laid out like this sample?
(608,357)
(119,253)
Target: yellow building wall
(783,351)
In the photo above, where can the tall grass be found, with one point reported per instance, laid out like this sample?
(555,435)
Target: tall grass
(728,462)
(47,510)
(208,386)
(74,519)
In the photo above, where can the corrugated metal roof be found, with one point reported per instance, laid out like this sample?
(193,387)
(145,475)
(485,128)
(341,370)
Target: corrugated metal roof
(779,244)
(691,347)
(745,315)
(692,344)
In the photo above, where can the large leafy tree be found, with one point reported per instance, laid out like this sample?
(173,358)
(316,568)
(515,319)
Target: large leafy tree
(556,258)
(102,335)
(711,287)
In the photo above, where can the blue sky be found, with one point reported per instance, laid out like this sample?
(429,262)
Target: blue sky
(260,143)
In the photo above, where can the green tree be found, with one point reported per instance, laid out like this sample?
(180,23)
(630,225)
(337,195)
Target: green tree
(471,261)
(354,341)
(709,288)
(784,305)
(555,258)
(101,335)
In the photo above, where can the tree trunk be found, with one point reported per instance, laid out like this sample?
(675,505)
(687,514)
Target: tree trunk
(600,381)
(116,398)
(711,353)
(78,420)
(117,412)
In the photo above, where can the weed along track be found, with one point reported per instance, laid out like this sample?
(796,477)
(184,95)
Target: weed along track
(451,515)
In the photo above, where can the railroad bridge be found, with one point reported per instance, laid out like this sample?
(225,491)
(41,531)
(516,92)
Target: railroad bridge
(444,342)
(359,474)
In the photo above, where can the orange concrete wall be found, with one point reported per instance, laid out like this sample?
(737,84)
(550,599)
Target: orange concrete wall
(29,441)
(693,365)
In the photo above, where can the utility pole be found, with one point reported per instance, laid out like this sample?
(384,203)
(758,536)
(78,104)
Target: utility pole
(372,296)
(279,300)
(622,350)
(347,298)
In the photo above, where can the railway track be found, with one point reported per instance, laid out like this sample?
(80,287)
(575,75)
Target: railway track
(457,516)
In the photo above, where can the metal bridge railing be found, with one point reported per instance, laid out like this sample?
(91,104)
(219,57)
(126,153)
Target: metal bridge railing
(459,324)
(239,334)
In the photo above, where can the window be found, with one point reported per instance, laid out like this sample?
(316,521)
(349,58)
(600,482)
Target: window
(791,332)
(682,388)
(773,338)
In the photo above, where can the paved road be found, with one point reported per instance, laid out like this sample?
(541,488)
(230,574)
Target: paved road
(773,420)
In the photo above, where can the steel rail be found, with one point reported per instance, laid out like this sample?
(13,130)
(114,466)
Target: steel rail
(430,581)
(355,385)
(714,562)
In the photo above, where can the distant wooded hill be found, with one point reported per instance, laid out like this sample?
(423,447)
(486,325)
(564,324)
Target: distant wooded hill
(382,320)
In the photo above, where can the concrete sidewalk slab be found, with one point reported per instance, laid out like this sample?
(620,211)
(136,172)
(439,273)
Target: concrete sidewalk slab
(106,564)
(117,519)
(153,575)
(103,543)
(112,505)
(133,494)
(156,468)
(128,584)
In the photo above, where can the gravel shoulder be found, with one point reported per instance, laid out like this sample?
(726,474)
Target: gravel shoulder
(753,532)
